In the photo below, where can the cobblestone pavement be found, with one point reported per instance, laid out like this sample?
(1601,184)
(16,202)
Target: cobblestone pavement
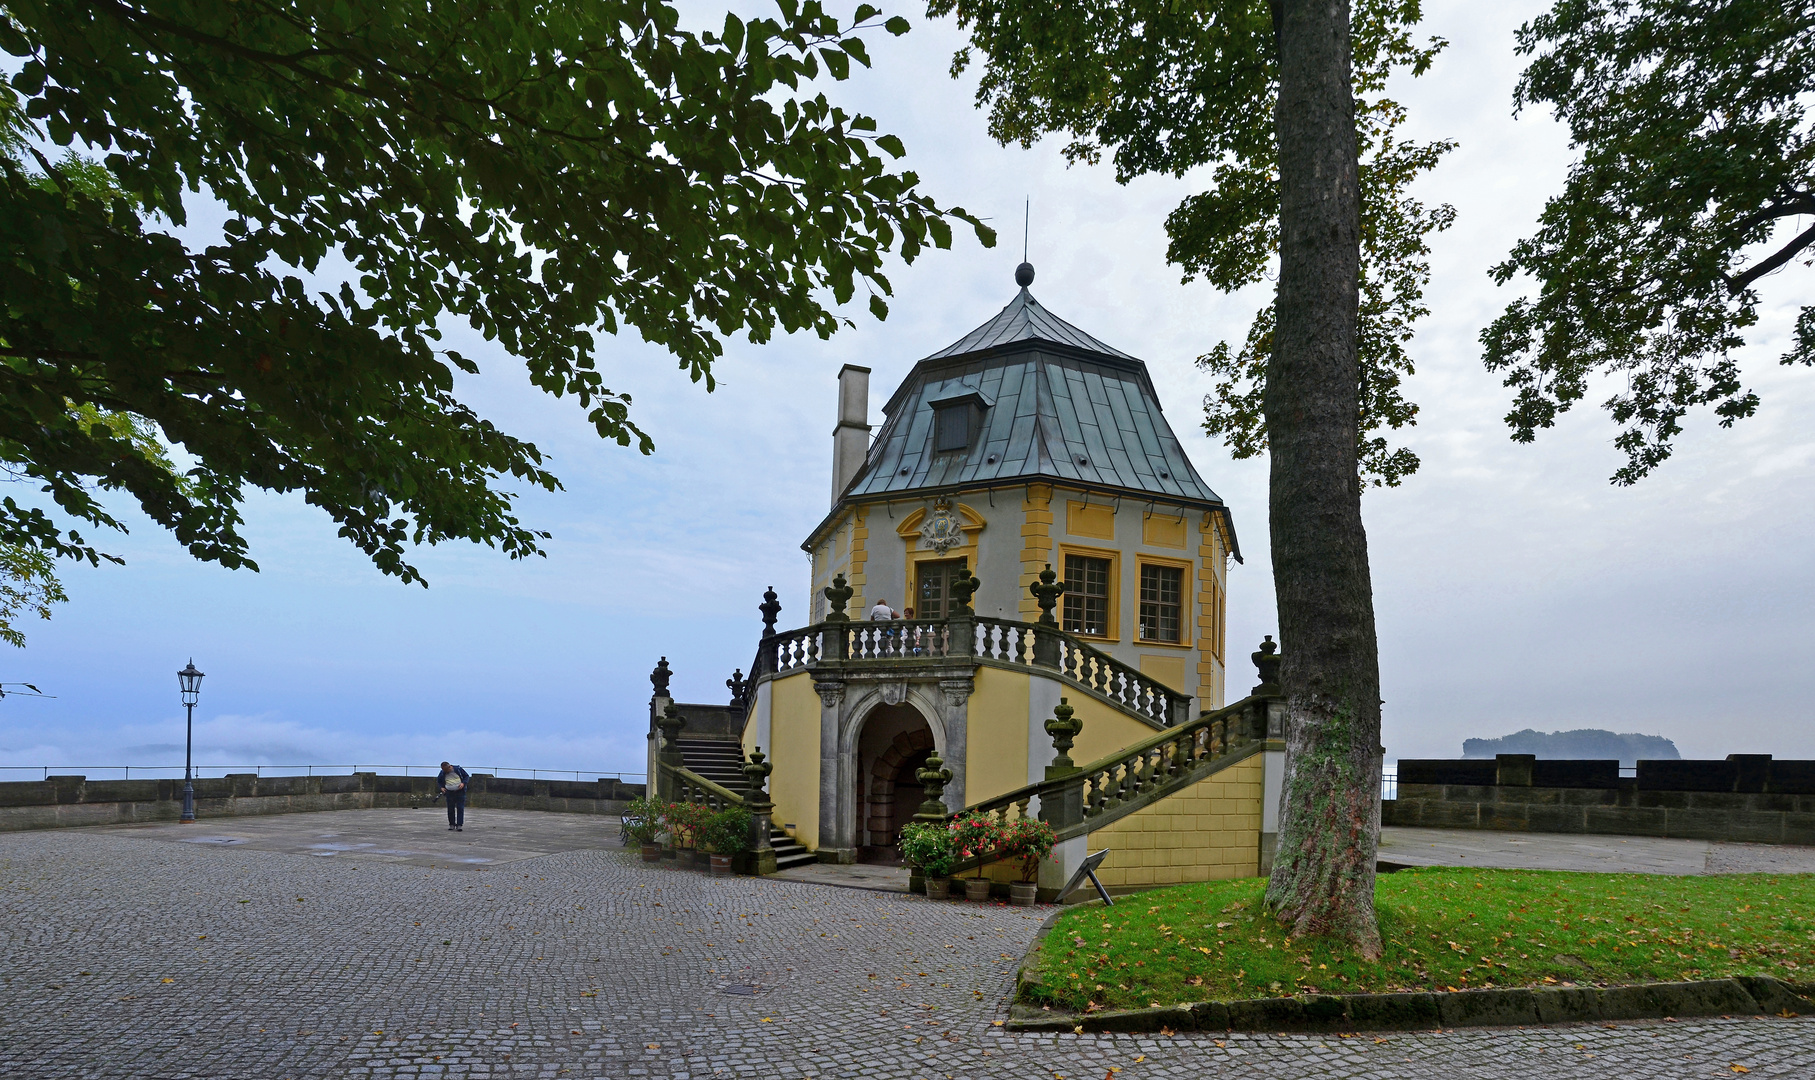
(125,957)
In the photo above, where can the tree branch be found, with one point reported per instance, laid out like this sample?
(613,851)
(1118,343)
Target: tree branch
(1736,285)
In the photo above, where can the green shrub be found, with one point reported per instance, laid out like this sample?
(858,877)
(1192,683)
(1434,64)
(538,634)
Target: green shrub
(927,845)
(726,832)
(643,820)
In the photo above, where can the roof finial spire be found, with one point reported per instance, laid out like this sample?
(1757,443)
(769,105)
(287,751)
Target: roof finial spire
(1024,274)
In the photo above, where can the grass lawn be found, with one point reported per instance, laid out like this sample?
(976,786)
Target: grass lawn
(1443,929)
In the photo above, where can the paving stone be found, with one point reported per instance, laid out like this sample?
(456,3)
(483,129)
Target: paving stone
(289,965)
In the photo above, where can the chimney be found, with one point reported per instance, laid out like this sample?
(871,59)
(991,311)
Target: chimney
(851,438)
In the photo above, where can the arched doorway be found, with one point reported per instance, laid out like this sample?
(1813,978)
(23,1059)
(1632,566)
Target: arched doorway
(892,747)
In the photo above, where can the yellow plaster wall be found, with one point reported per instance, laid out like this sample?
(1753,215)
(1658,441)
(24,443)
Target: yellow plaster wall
(794,731)
(995,759)
(1106,729)
(1210,830)
(1036,544)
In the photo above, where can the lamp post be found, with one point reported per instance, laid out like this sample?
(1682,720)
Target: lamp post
(191,682)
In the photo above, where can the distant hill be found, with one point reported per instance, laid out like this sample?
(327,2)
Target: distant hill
(1583,744)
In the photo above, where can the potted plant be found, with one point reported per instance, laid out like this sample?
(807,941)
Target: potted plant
(643,826)
(976,837)
(927,846)
(1031,842)
(727,833)
(683,820)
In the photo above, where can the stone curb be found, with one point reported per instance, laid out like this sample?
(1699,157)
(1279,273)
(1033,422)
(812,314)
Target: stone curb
(1517,1006)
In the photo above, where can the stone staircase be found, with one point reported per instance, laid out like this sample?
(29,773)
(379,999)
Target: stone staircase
(717,760)
(722,762)
(787,851)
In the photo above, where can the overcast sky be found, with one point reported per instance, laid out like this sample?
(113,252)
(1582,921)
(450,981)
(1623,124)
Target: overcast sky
(1515,586)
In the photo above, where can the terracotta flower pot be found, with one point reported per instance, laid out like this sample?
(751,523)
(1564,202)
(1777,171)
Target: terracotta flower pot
(976,889)
(938,888)
(721,865)
(1022,893)
(652,853)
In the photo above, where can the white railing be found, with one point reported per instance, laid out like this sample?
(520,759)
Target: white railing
(1389,784)
(175,772)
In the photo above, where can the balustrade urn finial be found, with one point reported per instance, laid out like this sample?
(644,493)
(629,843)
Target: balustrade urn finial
(1047,591)
(933,777)
(963,587)
(756,774)
(660,676)
(1064,727)
(770,607)
(839,593)
(739,687)
(1267,662)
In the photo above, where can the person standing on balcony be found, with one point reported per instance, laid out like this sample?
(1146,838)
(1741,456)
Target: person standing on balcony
(452,786)
(882,612)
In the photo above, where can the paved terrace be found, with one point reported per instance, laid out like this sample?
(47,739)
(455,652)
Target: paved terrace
(293,951)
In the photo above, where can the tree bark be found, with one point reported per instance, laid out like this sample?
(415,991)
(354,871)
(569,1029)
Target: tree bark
(1323,873)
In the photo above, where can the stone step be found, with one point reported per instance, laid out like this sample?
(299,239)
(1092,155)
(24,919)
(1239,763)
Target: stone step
(787,855)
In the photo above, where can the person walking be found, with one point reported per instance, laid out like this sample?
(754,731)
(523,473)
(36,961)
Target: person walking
(452,786)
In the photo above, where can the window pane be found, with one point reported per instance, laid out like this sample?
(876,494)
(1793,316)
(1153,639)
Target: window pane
(1160,589)
(1086,595)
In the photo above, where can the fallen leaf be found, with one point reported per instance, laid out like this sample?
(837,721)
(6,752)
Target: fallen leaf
(652,1046)
(1167,1031)
(1140,1059)
(1739,1068)
(166,980)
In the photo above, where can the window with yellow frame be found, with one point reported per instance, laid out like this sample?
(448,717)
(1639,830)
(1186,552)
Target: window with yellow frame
(1091,599)
(1165,603)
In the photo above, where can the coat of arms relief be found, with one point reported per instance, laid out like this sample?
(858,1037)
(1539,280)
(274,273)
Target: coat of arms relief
(942,531)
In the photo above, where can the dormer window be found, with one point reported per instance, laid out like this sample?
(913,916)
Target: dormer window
(958,421)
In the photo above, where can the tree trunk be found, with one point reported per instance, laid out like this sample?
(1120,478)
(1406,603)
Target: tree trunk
(1323,873)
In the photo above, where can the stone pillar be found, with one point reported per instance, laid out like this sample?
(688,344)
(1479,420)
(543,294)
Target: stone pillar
(762,851)
(836,842)
(1266,721)
(1513,770)
(671,722)
(957,695)
(1047,590)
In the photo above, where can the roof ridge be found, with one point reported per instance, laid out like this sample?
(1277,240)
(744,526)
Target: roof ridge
(1024,318)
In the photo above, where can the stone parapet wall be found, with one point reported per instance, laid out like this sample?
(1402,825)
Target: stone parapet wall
(1744,798)
(64,801)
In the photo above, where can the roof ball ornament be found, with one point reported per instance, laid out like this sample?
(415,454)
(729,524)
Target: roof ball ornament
(1024,274)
